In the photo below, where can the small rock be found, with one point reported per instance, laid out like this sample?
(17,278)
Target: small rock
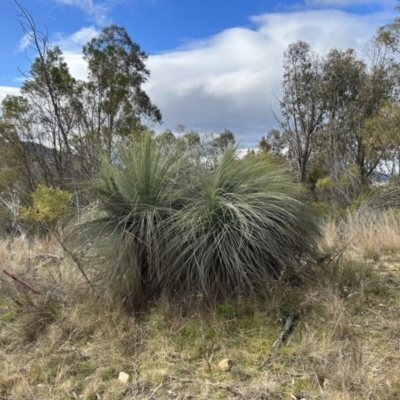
(225,365)
(123,377)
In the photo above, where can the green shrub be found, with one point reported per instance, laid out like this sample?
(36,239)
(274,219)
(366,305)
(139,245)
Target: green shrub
(50,207)
(166,225)
(325,184)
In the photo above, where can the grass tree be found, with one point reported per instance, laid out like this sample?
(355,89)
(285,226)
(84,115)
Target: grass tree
(243,224)
(164,224)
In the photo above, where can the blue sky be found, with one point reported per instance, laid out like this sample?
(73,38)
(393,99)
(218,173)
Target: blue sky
(215,64)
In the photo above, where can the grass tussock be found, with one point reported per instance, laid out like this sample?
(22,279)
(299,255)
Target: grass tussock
(365,235)
(344,344)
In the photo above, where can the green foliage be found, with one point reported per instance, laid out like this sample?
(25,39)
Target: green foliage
(7,178)
(9,316)
(352,173)
(165,225)
(264,145)
(49,206)
(358,202)
(224,141)
(117,71)
(337,109)
(323,209)
(342,192)
(325,184)
(226,310)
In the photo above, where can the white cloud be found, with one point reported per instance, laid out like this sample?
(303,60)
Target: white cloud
(5,90)
(98,12)
(232,80)
(72,50)
(75,41)
(77,65)
(24,43)
(84,35)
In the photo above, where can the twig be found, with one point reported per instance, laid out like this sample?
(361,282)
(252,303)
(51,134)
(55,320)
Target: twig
(182,379)
(23,282)
(233,390)
(155,390)
(78,263)
(283,335)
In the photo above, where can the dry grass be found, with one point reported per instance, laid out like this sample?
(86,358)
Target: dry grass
(66,344)
(367,235)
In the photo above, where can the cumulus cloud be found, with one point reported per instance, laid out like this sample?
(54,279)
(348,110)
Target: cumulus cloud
(75,42)
(5,90)
(72,49)
(233,79)
(77,65)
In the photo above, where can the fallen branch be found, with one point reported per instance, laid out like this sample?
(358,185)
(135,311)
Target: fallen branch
(283,335)
(22,282)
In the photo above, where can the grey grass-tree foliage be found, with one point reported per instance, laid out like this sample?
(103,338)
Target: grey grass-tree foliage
(163,225)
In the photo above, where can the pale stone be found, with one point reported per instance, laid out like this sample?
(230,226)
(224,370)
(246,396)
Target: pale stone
(225,365)
(123,377)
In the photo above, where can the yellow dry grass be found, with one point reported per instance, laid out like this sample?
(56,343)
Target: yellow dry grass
(68,344)
(366,235)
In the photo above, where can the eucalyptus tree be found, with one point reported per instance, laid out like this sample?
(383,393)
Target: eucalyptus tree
(326,103)
(383,132)
(224,141)
(47,100)
(113,103)
(344,75)
(70,125)
(302,106)
(389,34)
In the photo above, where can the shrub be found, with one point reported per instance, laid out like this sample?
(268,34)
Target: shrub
(165,225)
(50,207)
